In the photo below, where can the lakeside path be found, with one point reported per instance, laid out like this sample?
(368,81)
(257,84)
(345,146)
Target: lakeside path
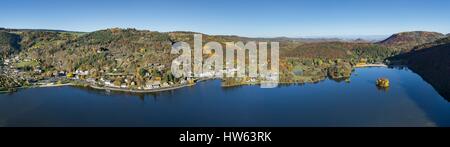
(148,90)
(46,86)
(371,65)
(137,90)
(41,86)
(116,89)
(108,88)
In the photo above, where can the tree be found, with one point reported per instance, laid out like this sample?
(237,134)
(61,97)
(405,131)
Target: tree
(142,72)
(117,82)
(70,75)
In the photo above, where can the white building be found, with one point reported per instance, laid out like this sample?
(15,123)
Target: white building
(164,85)
(6,62)
(148,86)
(82,73)
(90,80)
(108,83)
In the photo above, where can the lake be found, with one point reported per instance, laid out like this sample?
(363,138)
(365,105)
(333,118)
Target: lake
(410,101)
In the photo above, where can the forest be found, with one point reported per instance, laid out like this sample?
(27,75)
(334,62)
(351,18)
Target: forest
(140,56)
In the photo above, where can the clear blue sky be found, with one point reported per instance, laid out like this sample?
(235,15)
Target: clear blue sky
(262,18)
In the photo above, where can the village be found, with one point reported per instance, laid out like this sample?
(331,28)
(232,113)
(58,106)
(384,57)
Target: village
(35,77)
(30,74)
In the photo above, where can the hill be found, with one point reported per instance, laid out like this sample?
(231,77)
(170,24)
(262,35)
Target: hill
(36,30)
(441,41)
(431,63)
(339,50)
(404,42)
(9,43)
(141,55)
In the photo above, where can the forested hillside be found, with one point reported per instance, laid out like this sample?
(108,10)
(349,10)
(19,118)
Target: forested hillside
(405,41)
(9,43)
(140,56)
(432,62)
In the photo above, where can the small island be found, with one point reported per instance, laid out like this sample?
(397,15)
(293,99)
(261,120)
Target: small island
(383,83)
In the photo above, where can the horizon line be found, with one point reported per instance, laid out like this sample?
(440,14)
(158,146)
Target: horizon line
(331,36)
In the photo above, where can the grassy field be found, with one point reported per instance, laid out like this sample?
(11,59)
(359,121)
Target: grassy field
(27,64)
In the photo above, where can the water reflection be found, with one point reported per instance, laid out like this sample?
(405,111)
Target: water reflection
(384,89)
(408,102)
(437,77)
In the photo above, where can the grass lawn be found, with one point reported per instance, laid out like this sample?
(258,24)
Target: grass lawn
(27,64)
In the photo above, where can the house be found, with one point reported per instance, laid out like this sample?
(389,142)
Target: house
(148,86)
(165,84)
(153,84)
(161,67)
(107,83)
(55,73)
(7,61)
(156,83)
(82,73)
(62,73)
(90,80)
(37,70)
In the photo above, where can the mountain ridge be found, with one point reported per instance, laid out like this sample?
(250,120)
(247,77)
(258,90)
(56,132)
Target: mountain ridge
(431,61)
(405,41)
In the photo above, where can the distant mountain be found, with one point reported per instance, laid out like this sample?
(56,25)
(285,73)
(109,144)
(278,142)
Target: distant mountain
(35,30)
(432,63)
(406,41)
(305,40)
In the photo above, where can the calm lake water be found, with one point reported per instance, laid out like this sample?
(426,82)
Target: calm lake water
(410,101)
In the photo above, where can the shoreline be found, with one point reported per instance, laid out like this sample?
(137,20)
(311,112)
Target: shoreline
(175,87)
(40,86)
(48,86)
(139,91)
(370,65)
(147,90)
(309,82)
(113,88)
